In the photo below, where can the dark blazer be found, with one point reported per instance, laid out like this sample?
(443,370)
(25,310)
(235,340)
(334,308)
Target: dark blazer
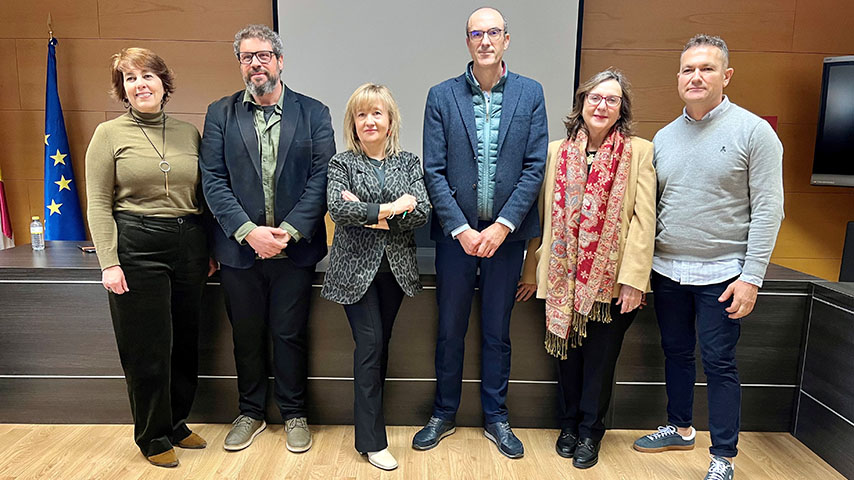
(450,162)
(231,175)
(357,251)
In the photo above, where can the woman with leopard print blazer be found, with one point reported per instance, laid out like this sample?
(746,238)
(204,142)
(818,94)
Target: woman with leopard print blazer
(376,198)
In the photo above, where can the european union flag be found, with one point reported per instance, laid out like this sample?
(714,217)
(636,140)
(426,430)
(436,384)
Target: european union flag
(62,217)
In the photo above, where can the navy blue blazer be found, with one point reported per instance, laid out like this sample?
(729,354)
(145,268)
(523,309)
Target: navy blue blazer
(450,162)
(230,161)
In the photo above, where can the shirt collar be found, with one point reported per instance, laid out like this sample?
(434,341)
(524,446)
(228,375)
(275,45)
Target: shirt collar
(248,98)
(715,112)
(474,83)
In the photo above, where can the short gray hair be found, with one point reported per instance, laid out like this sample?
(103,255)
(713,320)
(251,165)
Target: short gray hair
(702,39)
(262,32)
(506,23)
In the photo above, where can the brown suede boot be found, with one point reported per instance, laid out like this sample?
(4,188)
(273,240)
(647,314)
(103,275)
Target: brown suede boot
(166,459)
(193,441)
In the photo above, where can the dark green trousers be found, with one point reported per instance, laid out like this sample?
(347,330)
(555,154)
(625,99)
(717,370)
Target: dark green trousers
(156,322)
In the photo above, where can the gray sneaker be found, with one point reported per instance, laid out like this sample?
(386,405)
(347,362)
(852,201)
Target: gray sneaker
(244,429)
(719,469)
(666,438)
(299,437)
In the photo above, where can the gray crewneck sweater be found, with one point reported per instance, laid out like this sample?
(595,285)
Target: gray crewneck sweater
(720,188)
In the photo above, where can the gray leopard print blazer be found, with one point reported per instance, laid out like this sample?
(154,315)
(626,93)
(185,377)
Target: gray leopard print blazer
(356,250)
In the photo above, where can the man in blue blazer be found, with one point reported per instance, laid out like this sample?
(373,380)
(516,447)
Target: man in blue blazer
(264,157)
(485,143)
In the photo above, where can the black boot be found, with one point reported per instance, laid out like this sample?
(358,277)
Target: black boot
(586,453)
(566,442)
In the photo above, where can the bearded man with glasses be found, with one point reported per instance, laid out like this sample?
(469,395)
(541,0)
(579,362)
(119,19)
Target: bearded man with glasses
(264,158)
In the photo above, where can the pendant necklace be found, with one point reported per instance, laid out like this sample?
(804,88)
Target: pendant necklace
(163,165)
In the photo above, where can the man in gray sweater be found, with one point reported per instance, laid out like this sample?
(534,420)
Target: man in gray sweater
(720,204)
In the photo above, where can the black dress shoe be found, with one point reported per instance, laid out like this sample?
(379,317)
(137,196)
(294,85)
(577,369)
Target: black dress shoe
(435,430)
(566,442)
(586,453)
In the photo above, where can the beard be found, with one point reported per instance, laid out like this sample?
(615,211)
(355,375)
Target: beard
(259,90)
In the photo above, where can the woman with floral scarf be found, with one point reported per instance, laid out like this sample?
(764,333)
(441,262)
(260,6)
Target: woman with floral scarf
(592,263)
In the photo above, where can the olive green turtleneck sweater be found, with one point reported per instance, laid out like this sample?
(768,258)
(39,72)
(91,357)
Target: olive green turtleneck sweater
(123,174)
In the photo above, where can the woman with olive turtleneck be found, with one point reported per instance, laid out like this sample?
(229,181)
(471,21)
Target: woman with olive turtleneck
(144,210)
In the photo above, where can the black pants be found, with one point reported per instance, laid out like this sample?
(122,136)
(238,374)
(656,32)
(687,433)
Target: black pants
(269,299)
(586,377)
(165,262)
(371,319)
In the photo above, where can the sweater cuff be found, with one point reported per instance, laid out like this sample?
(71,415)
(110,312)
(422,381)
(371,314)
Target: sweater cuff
(753,272)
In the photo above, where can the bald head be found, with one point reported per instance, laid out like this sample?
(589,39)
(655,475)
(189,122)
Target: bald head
(489,11)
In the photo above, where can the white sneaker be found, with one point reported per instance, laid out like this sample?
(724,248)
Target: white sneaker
(382,459)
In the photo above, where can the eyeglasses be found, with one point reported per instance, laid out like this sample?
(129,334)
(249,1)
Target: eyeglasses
(493,33)
(612,101)
(264,56)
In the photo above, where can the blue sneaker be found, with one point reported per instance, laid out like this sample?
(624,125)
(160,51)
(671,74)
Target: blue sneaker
(503,438)
(666,438)
(719,469)
(435,430)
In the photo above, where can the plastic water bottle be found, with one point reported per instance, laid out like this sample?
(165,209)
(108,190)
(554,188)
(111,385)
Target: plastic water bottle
(37,234)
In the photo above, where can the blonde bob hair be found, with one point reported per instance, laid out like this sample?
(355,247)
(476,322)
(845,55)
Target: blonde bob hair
(366,96)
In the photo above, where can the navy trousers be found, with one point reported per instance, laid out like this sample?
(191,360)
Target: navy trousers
(456,279)
(687,313)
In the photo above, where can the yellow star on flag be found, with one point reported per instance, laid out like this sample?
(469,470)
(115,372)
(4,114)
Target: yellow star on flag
(54,207)
(46,137)
(58,158)
(63,183)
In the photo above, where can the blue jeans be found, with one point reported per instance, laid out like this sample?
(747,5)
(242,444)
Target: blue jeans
(686,313)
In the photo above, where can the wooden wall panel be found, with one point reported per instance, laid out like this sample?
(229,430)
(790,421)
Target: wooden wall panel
(22,144)
(814,225)
(653,78)
(668,24)
(10,100)
(179,19)
(824,26)
(28,19)
(827,268)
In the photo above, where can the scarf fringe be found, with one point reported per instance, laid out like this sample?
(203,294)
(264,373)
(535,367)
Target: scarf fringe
(558,347)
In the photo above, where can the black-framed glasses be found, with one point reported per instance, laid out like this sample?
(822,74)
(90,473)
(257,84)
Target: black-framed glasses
(264,56)
(494,34)
(612,101)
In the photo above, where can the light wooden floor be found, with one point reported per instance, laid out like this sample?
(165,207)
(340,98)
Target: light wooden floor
(71,452)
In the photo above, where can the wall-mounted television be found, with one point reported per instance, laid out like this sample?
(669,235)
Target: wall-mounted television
(834,144)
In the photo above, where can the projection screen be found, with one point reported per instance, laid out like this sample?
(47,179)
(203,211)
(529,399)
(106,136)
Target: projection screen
(333,46)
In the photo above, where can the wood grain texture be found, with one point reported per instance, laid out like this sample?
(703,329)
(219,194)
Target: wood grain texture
(666,24)
(29,19)
(824,27)
(814,225)
(179,19)
(826,268)
(826,434)
(828,364)
(11,99)
(107,452)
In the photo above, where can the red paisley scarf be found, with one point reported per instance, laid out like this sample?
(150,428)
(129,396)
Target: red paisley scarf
(585,243)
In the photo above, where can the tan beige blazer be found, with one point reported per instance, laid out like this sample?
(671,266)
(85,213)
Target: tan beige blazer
(637,223)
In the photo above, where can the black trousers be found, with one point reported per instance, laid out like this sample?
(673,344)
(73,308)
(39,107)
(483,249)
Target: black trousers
(586,377)
(269,300)
(371,319)
(156,322)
